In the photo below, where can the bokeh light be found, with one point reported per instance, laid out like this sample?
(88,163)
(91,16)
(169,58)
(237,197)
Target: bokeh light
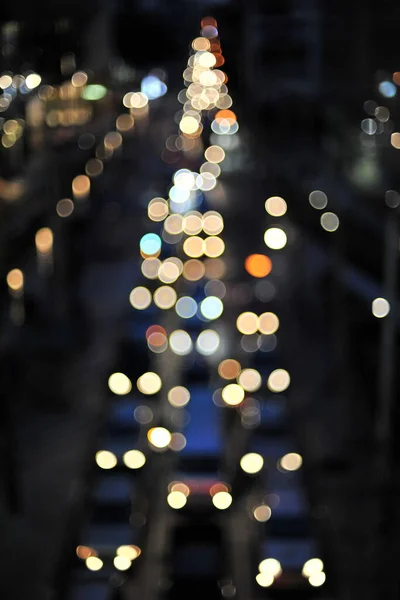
(233,394)
(330,221)
(211,307)
(380,308)
(382,114)
(229,368)
(143,415)
(150,268)
(119,384)
(312,567)
(178,396)
(258,265)
(252,463)
(129,551)
(122,563)
(149,383)
(201,43)
(184,179)
(267,343)
(140,298)
(209,31)
(176,499)
(262,513)
(317,579)
(247,323)
(79,79)
(275,238)
(268,323)
(318,199)
(193,246)
(165,297)
(157,209)
(207,60)
(369,126)
(159,437)
(150,244)
(387,89)
(15,280)
(276,206)
(124,123)
(193,270)
(168,272)
(186,307)
(392,198)
(222,500)
(94,92)
(291,462)
(174,224)
(271,566)
(105,459)
(215,288)
(212,168)
(250,343)
(176,261)
(180,342)
(206,181)
(207,342)
(192,224)
(157,342)
(93,563)
(80,187)
(188,124)
(84,552)
(395,140)
(215,268)
(265,579)
(250,380)
(153,87)
(213,223)
(279,380)
(138,100)
(213,246)
(214,154)
(178,196)
(94,167)
(65,207)
(134,459)
(179,486)
(178,443)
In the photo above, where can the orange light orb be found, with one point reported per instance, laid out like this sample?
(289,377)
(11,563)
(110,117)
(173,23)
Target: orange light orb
(218,487)
(219,59)
(258,265)
(208,21)
(215,46)
(225,114)
(155,329)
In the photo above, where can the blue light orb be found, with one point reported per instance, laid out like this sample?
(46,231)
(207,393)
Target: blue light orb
(211,307)
(178,195)
(150,244)
(153,87)
(387,89)
(178,208)
(186,307)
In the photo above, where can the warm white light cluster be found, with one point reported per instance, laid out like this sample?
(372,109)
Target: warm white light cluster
(313,570)
(269,570)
